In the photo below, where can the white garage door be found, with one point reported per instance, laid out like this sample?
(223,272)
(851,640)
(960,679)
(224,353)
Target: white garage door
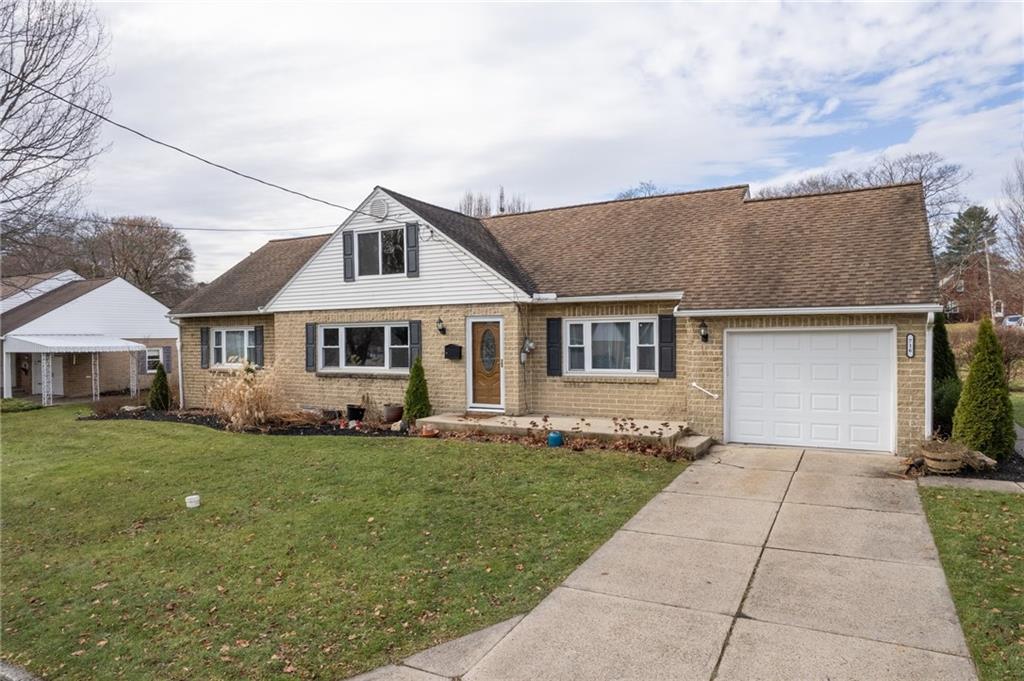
(811,388)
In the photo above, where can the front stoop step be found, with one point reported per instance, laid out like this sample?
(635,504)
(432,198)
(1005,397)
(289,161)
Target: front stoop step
(694,446)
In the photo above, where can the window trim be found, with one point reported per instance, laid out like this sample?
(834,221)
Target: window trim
(250,333)
(380,252)
(342,335)
(159,358)
(634,356)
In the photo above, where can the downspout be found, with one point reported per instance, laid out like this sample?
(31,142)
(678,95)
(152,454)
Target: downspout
(181,366)
(928,349)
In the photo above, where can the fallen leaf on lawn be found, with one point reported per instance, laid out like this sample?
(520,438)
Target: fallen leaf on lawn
(101,585)
(101,643)
(78,652)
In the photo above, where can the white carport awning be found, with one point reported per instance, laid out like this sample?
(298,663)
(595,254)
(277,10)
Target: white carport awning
(69,343)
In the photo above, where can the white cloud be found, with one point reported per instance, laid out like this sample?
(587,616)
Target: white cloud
(564,103)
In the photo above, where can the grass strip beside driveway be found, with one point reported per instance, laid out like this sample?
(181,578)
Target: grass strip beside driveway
(309,557)
(980,537)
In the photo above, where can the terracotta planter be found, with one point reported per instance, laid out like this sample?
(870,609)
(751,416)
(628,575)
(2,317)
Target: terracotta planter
(393,412)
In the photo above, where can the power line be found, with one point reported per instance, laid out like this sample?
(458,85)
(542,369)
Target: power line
(178,149)
(113,221)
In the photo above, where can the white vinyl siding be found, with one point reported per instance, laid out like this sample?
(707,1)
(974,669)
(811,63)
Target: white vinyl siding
(610,345)
(447,273)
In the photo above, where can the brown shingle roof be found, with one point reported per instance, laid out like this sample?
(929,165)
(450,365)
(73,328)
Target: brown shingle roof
(251,283)
(726,251)
(48,302)
(21,282)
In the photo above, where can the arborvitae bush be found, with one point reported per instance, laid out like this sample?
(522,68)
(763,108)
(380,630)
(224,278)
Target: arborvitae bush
(160,392)
(984,417)
(943,360)
(417,400)
(945,396)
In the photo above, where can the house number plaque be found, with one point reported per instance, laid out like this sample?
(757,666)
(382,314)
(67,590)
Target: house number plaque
(911,342)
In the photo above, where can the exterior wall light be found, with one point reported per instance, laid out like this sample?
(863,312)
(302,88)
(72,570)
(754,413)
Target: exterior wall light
(440,326)
(702,330)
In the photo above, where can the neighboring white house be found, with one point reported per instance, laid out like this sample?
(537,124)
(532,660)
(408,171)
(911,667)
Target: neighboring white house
(65,336)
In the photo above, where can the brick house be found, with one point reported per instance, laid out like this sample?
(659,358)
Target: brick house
(794,321)
(964,290)
(65,336)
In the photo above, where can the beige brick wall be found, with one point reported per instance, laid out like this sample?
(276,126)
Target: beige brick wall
(198,380)
(284,345)
(646,396)
(702,362)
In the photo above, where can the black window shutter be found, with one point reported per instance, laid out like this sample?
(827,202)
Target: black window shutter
(554,346)
(666,346)
(141,359)
(165,358)
(415,341)
(311,346)
(412,250)
(348,255)
(257,341)
(204,347)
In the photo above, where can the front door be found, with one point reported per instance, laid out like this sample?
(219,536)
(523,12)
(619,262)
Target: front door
(485,388)
(56,373)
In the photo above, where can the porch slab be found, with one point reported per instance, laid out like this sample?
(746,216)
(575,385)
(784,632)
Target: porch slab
(689,573)
(841,595)
(897,537)
(661,431)
(761,651)
(582,636)
(733,521)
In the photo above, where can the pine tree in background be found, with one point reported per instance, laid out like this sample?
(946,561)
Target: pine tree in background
(160,392)
(984,417)
(417,400)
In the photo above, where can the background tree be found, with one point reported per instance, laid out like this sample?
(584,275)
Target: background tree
(940,179)
(479,204)
(46,144)
(1011,212)
(984,417)
(973,232)
(643,189)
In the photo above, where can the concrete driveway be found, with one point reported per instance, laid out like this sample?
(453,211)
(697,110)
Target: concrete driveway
(755,563)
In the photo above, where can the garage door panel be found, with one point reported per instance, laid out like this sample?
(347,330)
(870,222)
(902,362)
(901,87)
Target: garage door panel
(827,389)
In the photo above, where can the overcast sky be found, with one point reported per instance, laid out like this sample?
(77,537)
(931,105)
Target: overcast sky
(562,103)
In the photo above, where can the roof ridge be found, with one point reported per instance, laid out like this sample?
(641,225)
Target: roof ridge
(296,238)
(607,201)
(833,192)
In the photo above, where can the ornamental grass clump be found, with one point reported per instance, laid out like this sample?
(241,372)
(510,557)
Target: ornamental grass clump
(984,416)
(248,398)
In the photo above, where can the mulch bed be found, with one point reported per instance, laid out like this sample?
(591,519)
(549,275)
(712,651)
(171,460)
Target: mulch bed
(1011,469)
(576,443)
(210,420)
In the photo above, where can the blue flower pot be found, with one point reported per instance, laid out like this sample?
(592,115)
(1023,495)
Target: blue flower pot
(555,439)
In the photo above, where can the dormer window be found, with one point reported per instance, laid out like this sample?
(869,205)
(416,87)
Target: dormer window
(381,252)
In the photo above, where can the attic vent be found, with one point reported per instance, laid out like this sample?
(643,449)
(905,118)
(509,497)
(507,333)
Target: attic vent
(379,209)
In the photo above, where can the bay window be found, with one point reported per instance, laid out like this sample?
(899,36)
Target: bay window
(232,347)
(610,346)
(381,252)
(382,347)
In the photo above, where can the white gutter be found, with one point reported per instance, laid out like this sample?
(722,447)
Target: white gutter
(214,314)
(181,368)
(611,298)
(920,308)
(929,426)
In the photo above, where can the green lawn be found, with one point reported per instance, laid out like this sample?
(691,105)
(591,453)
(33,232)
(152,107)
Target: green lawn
(980,536)
(309,557)
(1017,398)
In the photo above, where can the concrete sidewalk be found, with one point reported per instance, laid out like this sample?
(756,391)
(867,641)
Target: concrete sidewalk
(755,563)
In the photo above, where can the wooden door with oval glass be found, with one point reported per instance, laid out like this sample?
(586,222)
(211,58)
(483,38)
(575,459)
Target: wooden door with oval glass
(486,364)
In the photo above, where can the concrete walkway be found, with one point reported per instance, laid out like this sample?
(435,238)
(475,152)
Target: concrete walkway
(755,563)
